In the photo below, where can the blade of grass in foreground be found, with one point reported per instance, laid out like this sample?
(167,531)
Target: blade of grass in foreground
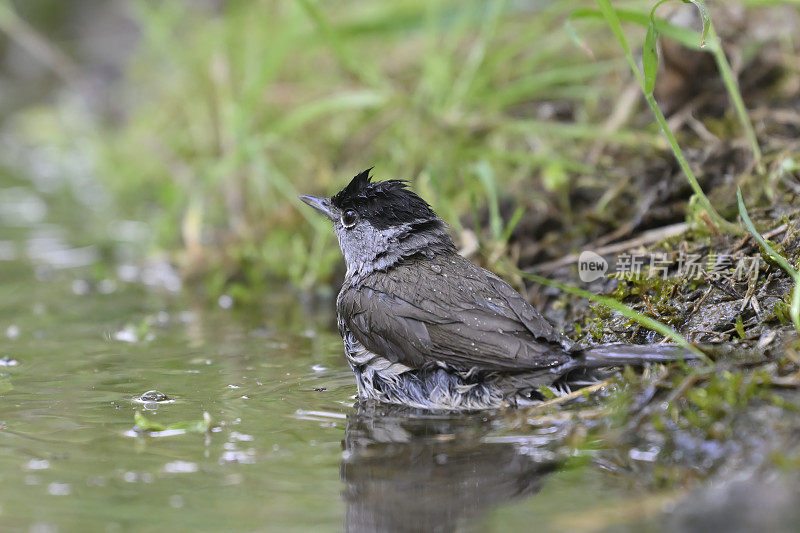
(644,320)
(794,310)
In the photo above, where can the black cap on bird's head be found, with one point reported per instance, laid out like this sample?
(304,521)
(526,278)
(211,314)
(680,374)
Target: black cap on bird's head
(383,204)
(380,223)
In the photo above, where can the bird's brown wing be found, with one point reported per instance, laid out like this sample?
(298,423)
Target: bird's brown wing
(450,312)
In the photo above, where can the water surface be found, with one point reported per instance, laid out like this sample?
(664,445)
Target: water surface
(82,337)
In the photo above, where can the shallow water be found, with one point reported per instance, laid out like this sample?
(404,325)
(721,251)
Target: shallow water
(287,450)
(82,338)
(260,431)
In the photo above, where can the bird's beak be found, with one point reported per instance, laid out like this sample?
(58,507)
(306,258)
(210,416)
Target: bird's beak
(323,205)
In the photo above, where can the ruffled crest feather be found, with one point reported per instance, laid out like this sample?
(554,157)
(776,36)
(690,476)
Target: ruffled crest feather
(383,203)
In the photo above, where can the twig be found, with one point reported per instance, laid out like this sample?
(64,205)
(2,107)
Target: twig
(622,112)
(684,385)
(647,237)
(702,299)
(792,382)
(36,45)
(776,231)
(572,395)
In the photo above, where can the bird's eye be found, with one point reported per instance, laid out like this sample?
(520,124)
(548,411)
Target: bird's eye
(349,218)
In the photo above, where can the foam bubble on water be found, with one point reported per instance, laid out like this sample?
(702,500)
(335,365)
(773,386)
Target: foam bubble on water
(180,467)
(59,489)
(38,464)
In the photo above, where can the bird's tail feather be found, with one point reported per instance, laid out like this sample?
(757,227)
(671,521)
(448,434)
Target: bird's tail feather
(633,355)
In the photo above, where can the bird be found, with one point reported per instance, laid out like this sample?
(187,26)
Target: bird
(425,327)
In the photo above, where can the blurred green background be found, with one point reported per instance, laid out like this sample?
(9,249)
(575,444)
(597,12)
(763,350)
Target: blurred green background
(206,119)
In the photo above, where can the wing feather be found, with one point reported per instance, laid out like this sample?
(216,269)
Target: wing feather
(450,312)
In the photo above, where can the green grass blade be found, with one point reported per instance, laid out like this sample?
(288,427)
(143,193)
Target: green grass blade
(732,86)
(684,36)
(477,54)
(357,100)
(794,310)
(487,178)
(338,46)
(650,52)
(704,16)
(771,252)
(512,223)
(581,131)
(650,58)
(611,18)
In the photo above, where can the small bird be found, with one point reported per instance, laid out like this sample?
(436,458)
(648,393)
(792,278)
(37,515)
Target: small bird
(425,327)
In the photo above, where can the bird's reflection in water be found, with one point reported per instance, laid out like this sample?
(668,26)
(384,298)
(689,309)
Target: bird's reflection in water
(412,470)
